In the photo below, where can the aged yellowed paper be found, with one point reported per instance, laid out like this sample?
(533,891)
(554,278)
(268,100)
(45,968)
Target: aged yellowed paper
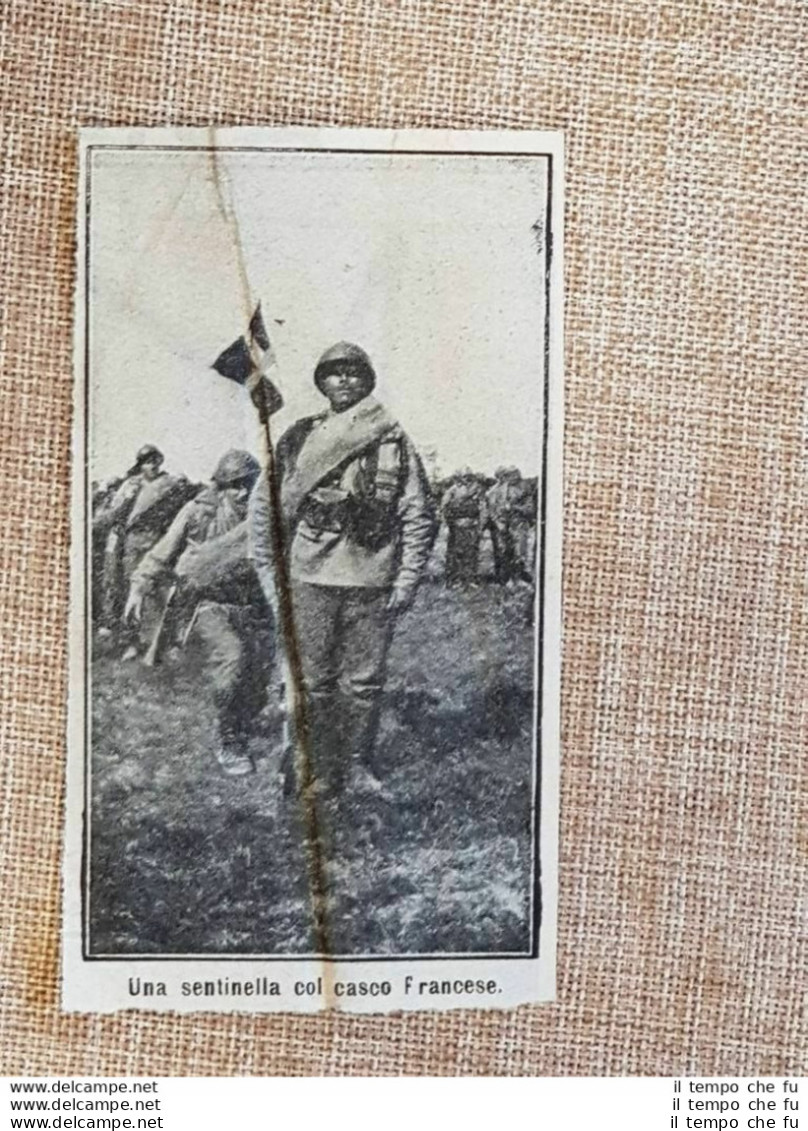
(315,612)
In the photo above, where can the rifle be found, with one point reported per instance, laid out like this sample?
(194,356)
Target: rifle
(166,631)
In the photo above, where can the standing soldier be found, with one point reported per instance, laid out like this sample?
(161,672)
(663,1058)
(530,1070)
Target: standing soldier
(101,496)
(525,520)
(463,511)
(206,549)
(510,516)
(359,525)
(137,514)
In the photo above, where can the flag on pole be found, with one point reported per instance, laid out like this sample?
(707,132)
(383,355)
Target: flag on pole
(248,362)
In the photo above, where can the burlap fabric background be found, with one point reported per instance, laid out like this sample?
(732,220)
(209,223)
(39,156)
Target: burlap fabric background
(682,949)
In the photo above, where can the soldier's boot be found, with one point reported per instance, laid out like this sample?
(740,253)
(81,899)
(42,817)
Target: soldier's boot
(128,642)
(360,726)
(319,767)
(311,774)
(233,760)
(231,753)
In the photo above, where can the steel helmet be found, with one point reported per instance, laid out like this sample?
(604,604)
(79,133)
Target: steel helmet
(147,454)
(339,354)
(236,467)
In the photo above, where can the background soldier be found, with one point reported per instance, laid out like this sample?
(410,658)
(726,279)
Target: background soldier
(359,527)
(525,528)
(101,497)
(463,511)
(511,514)
(206,548)
(136,515)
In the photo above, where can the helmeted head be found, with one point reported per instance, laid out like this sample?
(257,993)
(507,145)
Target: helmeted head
(235,476)
(148,461)
(236,467)
(345,375)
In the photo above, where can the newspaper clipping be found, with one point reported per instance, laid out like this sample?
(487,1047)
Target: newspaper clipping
(313,747)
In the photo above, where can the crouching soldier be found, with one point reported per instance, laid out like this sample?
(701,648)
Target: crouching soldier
(221,602)
(359,525)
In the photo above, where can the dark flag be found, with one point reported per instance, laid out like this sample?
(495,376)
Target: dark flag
(247,362)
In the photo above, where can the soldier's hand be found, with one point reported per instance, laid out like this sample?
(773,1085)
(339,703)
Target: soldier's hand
(134,606)
(400,599)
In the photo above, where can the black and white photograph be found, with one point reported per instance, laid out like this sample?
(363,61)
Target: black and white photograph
(315,604)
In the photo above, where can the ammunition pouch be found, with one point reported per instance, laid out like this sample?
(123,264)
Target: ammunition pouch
(371,524)
(460,510)
(362,511)
(327,515)
(365,521)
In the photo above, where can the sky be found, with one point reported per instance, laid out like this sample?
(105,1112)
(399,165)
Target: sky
(428,262)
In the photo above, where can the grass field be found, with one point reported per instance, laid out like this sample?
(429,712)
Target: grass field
(185,860)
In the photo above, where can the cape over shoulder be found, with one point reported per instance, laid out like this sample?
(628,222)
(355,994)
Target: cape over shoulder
(205,502)
(321,451)
(295,436)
